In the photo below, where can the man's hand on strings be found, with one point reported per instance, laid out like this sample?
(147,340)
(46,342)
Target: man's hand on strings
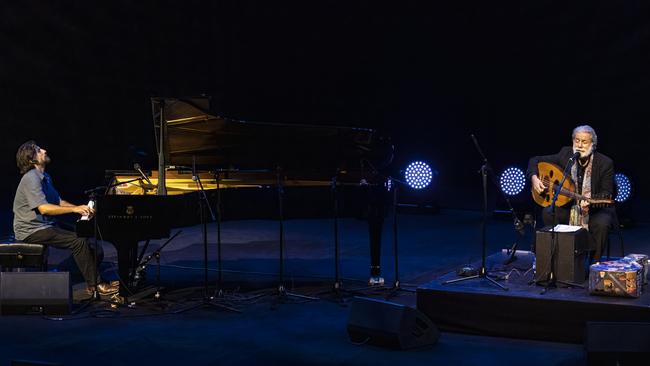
(537,184)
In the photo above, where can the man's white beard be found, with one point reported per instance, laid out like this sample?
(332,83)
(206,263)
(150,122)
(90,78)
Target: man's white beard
(586,153)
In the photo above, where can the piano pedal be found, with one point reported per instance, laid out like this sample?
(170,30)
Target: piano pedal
(139,278)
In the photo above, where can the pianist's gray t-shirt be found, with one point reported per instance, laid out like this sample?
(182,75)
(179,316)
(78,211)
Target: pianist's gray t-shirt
(29,195)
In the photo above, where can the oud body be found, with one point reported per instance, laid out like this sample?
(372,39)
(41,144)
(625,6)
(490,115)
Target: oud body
(552,176)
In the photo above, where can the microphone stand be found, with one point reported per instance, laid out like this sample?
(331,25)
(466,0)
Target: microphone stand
(518,225)
(338,289)
(218,291)
(338,284)
(551,280)
(156,254)
(95,296)
(281,291)
(396,283)
(203,201)
(482,272)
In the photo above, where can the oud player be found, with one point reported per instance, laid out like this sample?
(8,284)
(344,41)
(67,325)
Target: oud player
(593,175)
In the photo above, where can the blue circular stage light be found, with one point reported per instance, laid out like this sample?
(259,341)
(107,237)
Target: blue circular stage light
(512,181)
(623,187)
(418,175)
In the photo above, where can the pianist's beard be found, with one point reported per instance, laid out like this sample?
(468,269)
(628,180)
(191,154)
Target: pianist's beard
(46,160)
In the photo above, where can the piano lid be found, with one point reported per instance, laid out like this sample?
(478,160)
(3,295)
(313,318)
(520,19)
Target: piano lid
(194,134)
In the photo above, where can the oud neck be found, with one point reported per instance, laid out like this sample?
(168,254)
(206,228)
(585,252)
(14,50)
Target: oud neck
(574,195)
(577,196)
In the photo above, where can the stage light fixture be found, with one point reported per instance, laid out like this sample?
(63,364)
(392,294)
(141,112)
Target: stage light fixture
(623,187)
(512,181)
(418,175)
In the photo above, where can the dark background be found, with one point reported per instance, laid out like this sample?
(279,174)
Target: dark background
(518,75)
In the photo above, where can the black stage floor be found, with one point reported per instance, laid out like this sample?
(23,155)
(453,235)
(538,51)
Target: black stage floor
(525,310)
(313,332)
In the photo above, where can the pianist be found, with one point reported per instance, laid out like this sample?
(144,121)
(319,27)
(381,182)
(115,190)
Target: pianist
(35,203)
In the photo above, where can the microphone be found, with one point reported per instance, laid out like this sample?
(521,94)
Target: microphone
(572,160)
(136,166)
(96,189)
(519,226)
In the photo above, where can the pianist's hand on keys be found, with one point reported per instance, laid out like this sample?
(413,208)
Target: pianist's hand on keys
(90,210)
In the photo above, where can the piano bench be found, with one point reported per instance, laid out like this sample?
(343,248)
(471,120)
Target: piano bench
(19,256)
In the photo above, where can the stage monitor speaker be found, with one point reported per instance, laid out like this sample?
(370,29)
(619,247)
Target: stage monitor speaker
(388,324)
(617,343)
(35,293)
(571,259)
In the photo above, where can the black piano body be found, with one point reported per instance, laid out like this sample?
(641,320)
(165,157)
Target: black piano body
(245,160)
(125,220)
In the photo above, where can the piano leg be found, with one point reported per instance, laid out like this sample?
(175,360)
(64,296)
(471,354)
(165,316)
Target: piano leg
(126,257)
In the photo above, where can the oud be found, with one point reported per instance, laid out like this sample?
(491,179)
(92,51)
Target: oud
(552,176)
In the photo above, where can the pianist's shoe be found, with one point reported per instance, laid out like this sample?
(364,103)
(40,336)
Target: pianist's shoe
(104,289)
(376,281)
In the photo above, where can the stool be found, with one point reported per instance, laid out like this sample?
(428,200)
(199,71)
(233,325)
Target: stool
(23,255)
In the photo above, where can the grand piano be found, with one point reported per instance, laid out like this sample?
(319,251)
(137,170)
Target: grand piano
(233,155)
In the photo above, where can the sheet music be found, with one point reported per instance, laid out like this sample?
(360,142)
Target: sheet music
(560,228)
(91,204)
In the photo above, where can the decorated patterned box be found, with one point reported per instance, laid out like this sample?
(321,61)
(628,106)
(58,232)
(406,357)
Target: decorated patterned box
(615,278)
(642,259)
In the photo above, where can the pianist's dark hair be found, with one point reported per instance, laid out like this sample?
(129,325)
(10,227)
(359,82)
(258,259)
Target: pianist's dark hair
(26,156)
